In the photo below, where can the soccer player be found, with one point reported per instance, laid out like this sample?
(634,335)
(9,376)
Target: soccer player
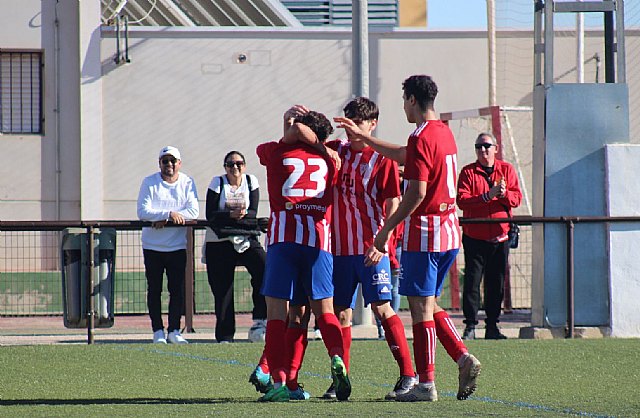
(299,260)
(431,237)
(367,192)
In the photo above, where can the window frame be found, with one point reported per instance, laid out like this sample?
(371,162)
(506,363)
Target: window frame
(31,119)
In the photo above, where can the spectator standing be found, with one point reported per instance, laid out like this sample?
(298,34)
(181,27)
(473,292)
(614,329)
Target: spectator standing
(487,188)
(166,196)
(431,236)
(232,201)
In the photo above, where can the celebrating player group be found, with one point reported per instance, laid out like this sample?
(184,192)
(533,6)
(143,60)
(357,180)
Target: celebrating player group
(335,207)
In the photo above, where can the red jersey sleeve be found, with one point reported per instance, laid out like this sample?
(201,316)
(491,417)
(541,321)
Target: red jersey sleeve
(388,179)
(417,164)
(264,151)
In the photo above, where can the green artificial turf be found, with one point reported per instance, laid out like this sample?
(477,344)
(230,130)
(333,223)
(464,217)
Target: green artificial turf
(519,378)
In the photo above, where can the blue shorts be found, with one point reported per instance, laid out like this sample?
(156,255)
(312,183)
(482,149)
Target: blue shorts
(423,273)
(349,270)
(297,270)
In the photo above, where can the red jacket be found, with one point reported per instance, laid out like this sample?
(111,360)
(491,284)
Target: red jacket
(474,201)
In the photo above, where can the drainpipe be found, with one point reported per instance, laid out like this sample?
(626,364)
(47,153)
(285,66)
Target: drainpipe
(56,66)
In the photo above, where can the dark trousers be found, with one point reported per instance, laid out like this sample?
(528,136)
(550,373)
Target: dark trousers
(488,259)
(155,264)
(222,260)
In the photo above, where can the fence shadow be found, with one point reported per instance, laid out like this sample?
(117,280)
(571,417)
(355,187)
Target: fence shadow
(124,401)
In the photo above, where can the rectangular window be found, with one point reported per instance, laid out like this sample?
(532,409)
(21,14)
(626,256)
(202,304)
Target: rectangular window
(20,92)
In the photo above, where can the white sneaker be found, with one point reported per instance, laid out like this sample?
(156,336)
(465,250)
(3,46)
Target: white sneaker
(158,337)
(419,393)
(174,337)
(467,376)
(258,330)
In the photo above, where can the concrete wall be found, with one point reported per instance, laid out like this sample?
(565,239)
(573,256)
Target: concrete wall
(187,88)
(105,123)
(21,28)
(21,24)
(574,185)
(623,199)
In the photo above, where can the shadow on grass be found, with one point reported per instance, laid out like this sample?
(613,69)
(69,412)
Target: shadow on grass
(146,341)
(164,401)
(123,401)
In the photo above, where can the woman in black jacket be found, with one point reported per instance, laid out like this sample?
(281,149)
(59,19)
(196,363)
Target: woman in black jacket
(232,205)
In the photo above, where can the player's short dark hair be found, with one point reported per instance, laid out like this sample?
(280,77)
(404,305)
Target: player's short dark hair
(318,123)
(361,108)
(423,88)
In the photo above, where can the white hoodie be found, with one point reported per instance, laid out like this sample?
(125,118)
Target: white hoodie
(156,200)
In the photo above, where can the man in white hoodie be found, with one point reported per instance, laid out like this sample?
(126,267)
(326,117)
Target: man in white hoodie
(166,196)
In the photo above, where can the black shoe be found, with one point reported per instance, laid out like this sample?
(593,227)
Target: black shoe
(469,333)
(330,393)
(493,333)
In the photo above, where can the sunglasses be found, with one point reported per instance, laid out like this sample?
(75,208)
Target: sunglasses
(484,145)
(231,164)
(166,161)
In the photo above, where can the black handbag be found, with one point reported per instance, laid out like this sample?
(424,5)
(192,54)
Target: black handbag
(514,235)
(246,226)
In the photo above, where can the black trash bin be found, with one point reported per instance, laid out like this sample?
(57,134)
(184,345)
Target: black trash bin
(74,258)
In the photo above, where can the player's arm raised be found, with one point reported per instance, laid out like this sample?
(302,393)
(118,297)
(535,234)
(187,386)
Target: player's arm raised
(290,115)
(396,152)
(299,132)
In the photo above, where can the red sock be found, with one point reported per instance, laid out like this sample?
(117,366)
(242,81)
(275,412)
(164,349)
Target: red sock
(448,335)
(346,344)
(263,364)
(424,350)
(331,334)
(275,348)
(295,343)
(397,341)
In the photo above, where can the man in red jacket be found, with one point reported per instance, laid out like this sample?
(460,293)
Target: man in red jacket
(487,188)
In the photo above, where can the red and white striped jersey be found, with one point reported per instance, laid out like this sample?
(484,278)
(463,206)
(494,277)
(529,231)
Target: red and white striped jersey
(299,181)
(366,179)
(432,158)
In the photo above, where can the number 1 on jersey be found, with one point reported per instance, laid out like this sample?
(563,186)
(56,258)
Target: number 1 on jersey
(452,168)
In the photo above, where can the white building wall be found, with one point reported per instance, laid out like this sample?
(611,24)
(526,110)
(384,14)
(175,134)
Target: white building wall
(21,24)
(185,87)
(21,29)
(91,114)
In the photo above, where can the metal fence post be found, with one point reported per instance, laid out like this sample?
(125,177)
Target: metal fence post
(90,291)
(189,279)
(570,280)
